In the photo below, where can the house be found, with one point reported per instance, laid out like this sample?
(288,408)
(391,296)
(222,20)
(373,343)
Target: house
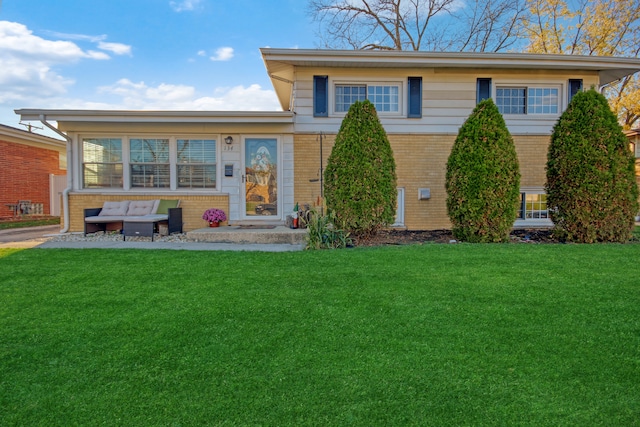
(258,165)
(634,146)
(32,167)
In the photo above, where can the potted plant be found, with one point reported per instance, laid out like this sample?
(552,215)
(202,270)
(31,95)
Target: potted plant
(214,216)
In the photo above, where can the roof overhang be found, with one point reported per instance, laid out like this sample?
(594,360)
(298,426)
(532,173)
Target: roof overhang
(21,136)
(148,116)
(281,63)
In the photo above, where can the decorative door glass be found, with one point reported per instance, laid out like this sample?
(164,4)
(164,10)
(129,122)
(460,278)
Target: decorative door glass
(261,177)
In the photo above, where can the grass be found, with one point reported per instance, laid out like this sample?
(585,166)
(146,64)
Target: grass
(461,334)
(28,222)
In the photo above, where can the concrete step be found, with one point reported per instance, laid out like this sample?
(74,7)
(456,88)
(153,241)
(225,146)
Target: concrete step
(253,234)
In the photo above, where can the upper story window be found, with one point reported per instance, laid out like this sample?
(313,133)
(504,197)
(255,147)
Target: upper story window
(528,100)
(385,97)
(102,163)
(197,163)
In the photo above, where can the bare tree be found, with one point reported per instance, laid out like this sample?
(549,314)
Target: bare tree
(489,25)
(379,24)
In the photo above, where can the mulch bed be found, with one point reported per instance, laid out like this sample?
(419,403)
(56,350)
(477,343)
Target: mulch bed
(407,237)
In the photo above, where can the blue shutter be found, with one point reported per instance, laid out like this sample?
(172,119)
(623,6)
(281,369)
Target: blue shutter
(483,90)
(575,86)
(415,97)
(320,96)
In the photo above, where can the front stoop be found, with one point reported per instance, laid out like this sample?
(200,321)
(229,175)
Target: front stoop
(236,234)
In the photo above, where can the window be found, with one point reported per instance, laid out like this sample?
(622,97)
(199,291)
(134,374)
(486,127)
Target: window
(533,206)
(149,162)
(347,95)
(510,100)
(385,97)
(196,163)
(542,101)
(102,163)
(527,100)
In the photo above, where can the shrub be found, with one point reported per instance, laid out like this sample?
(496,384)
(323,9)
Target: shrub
(483,178)
(360,177)
(591,186)
(322,233)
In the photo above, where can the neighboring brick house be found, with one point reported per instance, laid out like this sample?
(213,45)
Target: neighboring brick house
(258,165)
(27,162)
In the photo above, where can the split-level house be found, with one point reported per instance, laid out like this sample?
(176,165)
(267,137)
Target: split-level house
(258,165)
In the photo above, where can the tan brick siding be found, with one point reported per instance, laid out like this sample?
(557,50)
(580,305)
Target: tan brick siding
(24,174)
(420,163)
(192,206)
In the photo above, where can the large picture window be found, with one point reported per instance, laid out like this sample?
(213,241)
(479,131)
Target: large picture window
(149,163)
(102,163)
(196,163)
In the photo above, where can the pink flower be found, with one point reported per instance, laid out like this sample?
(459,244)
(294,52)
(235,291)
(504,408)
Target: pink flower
(214,215)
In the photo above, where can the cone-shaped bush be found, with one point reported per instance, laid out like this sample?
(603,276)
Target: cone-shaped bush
(483,178)
(591,186)
(360,177)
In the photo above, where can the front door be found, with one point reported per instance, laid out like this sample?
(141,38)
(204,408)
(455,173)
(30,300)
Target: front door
(261,178)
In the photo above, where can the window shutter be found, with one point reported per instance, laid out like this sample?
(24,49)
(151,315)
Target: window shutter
(415,97)
(575,86)
(483,90)
(320,96)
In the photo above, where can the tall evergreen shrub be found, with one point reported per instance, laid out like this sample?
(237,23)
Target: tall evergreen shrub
(360,177)
(483,178)
(591,187)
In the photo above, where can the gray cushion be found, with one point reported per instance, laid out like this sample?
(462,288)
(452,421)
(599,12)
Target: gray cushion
(140,207)
(114,208)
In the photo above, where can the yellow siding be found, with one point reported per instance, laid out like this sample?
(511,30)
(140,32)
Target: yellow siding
(420,163)
(192,206)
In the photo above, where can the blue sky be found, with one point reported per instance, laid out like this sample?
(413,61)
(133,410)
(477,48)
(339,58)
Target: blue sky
(143,54)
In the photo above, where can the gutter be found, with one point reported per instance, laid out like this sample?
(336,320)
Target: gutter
(65,192)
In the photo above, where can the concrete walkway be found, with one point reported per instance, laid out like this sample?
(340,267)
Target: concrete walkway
(278,239)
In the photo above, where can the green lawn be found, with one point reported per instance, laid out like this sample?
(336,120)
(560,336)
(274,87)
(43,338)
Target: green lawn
(28,222)
(443,335)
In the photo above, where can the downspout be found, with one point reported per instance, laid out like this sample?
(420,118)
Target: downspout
(65,192)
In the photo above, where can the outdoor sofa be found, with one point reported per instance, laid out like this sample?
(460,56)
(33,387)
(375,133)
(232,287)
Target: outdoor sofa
(135,217)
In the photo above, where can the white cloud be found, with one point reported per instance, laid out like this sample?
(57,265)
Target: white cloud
(223,54)
(184,5)
(28,62)
(140,96)
(116,48)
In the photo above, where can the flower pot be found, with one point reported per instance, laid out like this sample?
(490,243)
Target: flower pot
(214,224)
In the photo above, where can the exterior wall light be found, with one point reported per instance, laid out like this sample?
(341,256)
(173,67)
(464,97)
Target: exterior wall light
(228,140)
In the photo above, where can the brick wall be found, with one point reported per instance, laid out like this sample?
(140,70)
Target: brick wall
(420,163)
(24,174)
(193,206)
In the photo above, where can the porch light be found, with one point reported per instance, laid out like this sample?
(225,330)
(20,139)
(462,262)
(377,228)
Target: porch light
(228,140)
